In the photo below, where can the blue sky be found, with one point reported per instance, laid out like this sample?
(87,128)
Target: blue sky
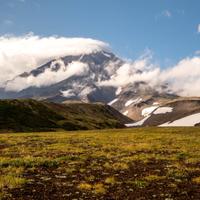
(169,28)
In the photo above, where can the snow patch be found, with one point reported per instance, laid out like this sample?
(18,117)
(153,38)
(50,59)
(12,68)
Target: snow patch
(86,90)
(139,123)
(190,120)
(148,111)
(129,102)
(118,91)
(67,93)
(125,113)
(113,101)
(163,110)
(106,54)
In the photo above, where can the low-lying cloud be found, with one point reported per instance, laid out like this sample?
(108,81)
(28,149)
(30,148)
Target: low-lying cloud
(130,72)
(20,54)
(182,79)
(49,76)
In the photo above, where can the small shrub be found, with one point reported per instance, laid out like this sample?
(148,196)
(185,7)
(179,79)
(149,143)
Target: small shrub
(99,188)
(84,186)
(181,156)
(10,181)
(177,173)
(110,180)
(90,178)
(140,183)
(49,163)
(107,165)
(196,180)
(120,166)
(154,178)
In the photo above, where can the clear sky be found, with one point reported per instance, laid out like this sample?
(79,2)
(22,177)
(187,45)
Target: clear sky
(169,28)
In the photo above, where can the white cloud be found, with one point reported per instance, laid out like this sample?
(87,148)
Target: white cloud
(197,52)
(86,90)
(163,14)
(198,28)
(130,72)
(48,77)
(20,54)
(68,93)
(184,78)
(167,13)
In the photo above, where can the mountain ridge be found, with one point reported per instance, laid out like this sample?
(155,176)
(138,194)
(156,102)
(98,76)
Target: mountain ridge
(86,78)
(27,115)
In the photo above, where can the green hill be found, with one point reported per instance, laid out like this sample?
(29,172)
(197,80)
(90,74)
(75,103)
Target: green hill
(32,115)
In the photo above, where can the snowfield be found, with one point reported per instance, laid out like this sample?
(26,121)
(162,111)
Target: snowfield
(125,113)
(113,101)
(139,123)
(148,111)
(163,110)
(129,102)
(118,91)
(190,120)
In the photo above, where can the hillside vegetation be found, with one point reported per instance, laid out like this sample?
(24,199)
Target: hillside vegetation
(32,115)
(140,163)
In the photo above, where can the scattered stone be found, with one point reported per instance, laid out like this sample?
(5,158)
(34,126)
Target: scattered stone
(45,178)
(60,176)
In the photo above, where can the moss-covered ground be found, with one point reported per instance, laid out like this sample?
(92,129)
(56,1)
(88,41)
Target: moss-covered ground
(139,163)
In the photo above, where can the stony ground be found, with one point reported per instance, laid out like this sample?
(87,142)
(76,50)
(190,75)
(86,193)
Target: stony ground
(146,163)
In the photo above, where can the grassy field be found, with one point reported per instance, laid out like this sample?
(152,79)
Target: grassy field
(140,163)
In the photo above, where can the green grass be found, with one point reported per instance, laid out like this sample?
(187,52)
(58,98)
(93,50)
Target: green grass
(110,163)
(33,116)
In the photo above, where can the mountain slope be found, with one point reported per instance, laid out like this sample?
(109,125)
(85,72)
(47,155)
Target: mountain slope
(133,98)
(82,77)
(178,112)
(70,77)
(93,78)
(32,115)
